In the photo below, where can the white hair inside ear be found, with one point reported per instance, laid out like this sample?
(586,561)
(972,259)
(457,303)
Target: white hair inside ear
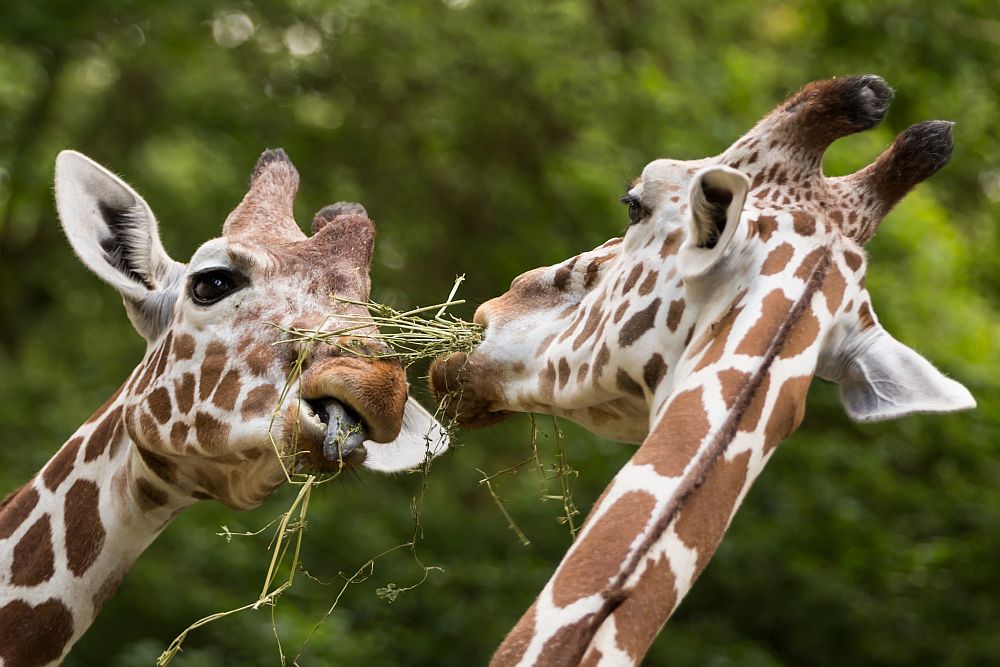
(113,231)
(715,203)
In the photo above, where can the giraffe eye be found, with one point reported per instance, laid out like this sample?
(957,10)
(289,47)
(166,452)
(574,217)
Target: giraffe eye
(636,211)
(211,286)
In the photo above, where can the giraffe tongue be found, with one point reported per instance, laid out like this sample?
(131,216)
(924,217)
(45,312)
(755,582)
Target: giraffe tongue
(345,432)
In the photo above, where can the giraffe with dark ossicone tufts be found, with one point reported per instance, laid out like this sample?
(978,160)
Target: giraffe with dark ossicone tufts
(697,334)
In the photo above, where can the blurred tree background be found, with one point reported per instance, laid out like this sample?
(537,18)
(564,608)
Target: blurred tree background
(488,137)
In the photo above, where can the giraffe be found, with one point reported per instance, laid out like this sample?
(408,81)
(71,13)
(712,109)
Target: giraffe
(204,413)
(697,334)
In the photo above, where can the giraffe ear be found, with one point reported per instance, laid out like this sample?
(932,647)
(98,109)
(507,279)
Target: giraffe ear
(889,380)
(114,233)
(421,435)
(716,199)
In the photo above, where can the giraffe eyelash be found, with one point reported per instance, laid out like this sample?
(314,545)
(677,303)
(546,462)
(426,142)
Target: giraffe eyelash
(636,211)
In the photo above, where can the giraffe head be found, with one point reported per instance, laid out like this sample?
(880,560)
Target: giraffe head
(740,277)
(217,399)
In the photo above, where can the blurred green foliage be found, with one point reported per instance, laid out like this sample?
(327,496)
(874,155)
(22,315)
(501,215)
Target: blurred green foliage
(490,137)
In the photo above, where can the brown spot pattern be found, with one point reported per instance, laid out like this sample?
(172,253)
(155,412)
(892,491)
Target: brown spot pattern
(34,636)
(161,362)
(259,360)
(567,645)
(603,356)
(625,383)
(755,409)
(648,283)
(150,431)
(184,346)
(732,381)
(804,223)
(105,432)
(594,268)
(84,532)
(563,372)
(638,324)
(159,465)
(633,278)
(572,327)
(589,327)
(184,392)
(547,381)
(766,225)
(211,369)
(801,335)
(789,409)
(147,375)
(675,313)
(159,404)
(561,280)
(544,345)
(61,464)
(620,311)
(178,434)
(259,401)
(809,263)
(594,655)
(653,371)
(34,561)
(211,433)
(704,518)
(675,439)
(654,592)
(834,287)
(853,260)
(149,496)
(777,259)
(865,316)
(717,335)
(774,309)
(598,557)
(15,510)
(671,244)
(228,391)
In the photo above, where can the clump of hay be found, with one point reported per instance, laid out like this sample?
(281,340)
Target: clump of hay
(409,336)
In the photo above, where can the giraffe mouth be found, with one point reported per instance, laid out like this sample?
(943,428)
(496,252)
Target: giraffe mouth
(333,435)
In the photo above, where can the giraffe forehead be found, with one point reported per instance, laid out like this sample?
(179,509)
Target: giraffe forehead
(665,177)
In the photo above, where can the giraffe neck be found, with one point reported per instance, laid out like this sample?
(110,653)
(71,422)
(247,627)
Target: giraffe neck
(69,536)
(659,522)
